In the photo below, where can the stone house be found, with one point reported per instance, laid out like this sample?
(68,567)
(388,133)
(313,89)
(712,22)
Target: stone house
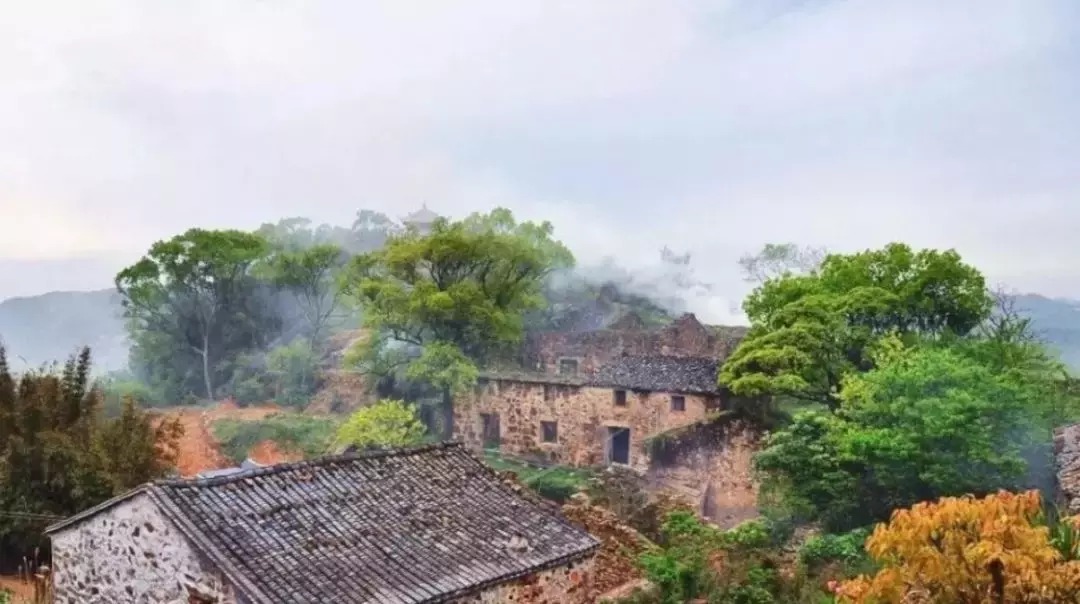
(423,525)
(608,396)
(589,419)
(574,352)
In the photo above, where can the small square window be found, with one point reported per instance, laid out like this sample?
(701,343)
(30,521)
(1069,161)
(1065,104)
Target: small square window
(620,398)
(678,403)
(547,392)
(551,431)
(568,366)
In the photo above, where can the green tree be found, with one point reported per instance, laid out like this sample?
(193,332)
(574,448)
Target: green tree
(778,259)
(927,422)
(293,369)
(457,296)
(809,331)
(309,275)
(387,423)
(195,292)
(59,455)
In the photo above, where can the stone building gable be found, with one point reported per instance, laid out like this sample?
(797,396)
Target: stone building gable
(132,553)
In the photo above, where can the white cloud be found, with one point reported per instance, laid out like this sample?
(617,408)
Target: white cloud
(710,126)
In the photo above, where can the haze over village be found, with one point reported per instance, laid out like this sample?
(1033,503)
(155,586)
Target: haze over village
(723,301)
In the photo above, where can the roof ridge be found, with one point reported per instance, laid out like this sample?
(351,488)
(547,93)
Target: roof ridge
(305,463)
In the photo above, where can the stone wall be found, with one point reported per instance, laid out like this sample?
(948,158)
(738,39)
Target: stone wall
(570,584)
(1067,457)
(685,337)
(131,553)
(582,415)
(715,477)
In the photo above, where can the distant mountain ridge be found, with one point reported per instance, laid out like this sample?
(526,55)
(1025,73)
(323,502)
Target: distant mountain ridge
(50,327)
(1057,322)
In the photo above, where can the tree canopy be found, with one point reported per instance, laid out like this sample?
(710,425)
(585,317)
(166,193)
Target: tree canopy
(809,331)
(195,292)
(59,455)
(457,295)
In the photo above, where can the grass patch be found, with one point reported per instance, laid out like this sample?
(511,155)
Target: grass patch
(557,483)
(311,435)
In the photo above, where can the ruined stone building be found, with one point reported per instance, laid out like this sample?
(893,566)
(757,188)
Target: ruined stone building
(423,525)
(610,396)
(1067,456)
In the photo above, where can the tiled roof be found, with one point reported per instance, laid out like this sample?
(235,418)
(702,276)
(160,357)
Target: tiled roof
(660,374)
(422,525)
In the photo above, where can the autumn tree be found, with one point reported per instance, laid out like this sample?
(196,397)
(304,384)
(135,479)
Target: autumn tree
(59,455)
(455,298)
(387,423)
(967,550)
(809,331)
(195,292)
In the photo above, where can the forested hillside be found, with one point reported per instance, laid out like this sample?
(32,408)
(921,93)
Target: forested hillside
(45,328)
(1057,321)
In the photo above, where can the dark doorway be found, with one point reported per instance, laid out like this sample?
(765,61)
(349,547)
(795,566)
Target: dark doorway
(619,445)
(490,430)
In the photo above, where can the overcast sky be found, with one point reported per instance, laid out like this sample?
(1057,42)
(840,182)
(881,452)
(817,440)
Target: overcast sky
(713,127)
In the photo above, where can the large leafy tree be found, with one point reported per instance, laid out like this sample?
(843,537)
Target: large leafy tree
(195,293)
(929,421)
(455,298)
(59,455)
(808,331)
(309,275)
(778,259)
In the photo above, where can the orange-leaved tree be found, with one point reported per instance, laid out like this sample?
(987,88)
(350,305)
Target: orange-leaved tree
(965,550)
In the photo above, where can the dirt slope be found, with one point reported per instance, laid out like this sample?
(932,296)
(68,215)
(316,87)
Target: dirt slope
(198,449)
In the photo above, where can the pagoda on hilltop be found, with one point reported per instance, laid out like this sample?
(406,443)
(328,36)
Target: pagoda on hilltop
(422,220)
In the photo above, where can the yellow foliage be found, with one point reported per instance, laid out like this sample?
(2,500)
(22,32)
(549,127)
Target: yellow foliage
(966,551)
(387,423)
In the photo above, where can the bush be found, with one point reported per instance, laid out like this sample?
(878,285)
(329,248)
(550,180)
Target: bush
(954,548)
(311,435)
(387,423)
(557,483)
(293,368)
(846,549)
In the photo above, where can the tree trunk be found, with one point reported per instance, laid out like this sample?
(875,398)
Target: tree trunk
(447,408)
(206,368)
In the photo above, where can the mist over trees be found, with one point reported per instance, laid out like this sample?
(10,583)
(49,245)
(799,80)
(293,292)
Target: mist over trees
(231,313)
(448,302)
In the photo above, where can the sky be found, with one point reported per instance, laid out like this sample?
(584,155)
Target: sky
(712,127)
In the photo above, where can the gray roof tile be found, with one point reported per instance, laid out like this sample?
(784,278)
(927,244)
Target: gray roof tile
(695,375)
(411,526)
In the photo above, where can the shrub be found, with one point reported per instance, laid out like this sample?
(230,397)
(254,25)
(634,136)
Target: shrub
(556,483)
(293,368)
(311,435)
(387,423)
(845,548)
(960,548)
